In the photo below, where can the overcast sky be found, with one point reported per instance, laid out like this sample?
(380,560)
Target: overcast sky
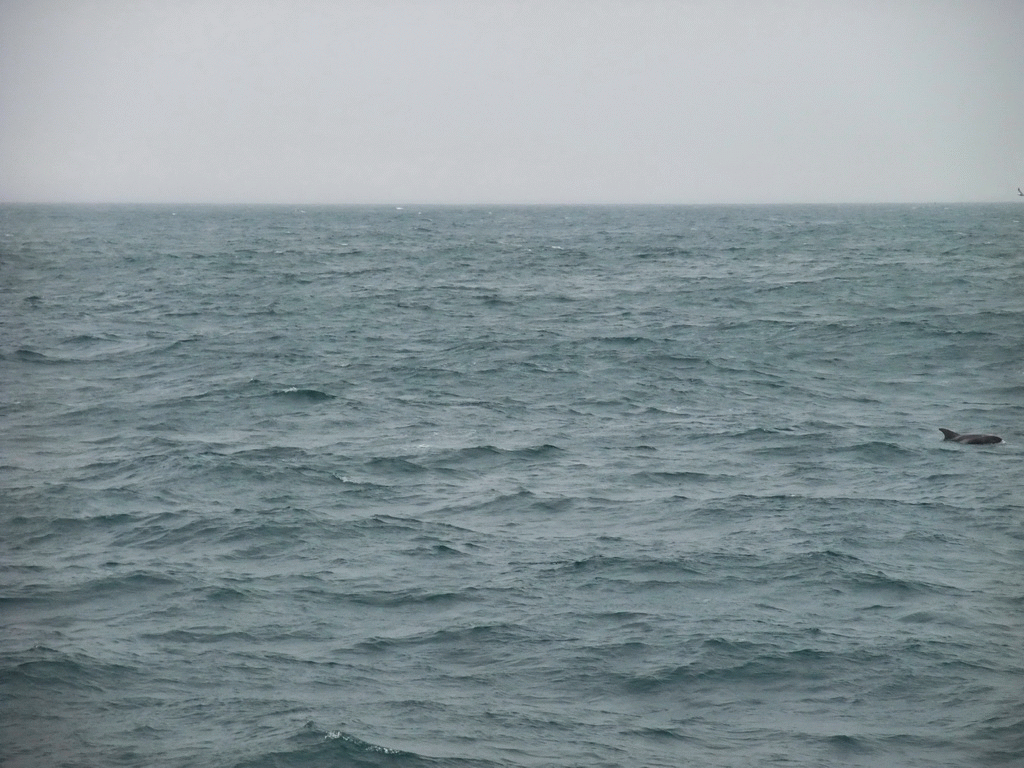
(517,101)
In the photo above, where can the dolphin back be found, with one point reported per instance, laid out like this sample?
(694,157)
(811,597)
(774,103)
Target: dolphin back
(949,434)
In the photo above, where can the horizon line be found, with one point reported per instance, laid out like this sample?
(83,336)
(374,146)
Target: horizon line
(495,204)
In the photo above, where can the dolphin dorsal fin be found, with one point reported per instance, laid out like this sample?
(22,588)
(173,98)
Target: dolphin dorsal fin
(949,433)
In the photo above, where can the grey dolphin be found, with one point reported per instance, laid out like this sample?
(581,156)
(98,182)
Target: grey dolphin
(971,439)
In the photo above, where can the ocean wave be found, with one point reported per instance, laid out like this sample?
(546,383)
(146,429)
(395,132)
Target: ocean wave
(681,477)
(395,465)
(480,456)
(304,394)
(519,502)
(748,665)
(469,642)
(644,567)
(206,636)
(173,529)
(391,598)
(31,356)
(315,747)
(881,452)
(47,669)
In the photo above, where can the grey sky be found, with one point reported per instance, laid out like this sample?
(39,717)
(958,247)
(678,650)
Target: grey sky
(452,101)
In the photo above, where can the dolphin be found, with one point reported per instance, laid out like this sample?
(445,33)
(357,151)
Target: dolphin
(970,439)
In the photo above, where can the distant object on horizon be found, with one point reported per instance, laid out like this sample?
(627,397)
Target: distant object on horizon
(949,434)
(1019,192)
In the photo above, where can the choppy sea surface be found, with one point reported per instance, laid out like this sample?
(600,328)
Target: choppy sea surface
(511,487)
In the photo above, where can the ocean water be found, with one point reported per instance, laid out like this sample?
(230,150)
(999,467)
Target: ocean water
(511,487)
